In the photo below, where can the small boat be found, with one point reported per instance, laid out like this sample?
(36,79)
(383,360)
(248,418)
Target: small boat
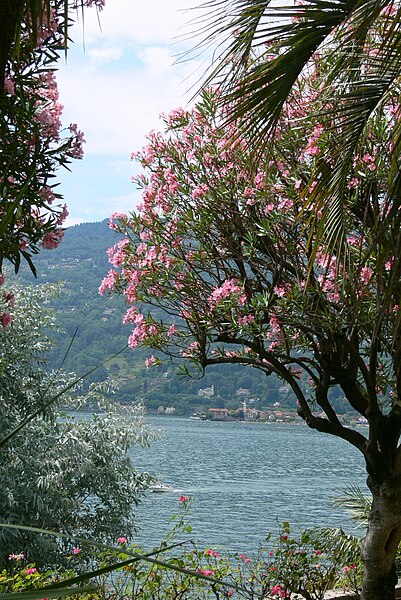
(160,488)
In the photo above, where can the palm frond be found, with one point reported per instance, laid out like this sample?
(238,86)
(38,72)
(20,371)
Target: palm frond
(356,504)
(339,545)
(361,89)
(259,89)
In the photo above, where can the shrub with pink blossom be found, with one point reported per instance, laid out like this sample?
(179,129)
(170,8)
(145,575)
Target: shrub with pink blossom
(34,143)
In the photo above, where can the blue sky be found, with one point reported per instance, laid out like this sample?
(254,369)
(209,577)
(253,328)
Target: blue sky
(117,80)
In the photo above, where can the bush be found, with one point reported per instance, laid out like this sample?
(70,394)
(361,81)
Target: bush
(58,472)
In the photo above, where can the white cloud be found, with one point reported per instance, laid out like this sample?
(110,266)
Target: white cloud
(104,55)
(117,106)
(158,59)
(126,21)
(115,91)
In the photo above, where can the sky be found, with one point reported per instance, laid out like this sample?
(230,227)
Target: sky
(121,73)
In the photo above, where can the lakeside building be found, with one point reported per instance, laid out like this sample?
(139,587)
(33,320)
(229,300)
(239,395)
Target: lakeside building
(207,392)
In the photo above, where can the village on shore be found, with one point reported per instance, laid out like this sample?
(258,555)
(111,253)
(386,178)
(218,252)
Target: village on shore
(246,411)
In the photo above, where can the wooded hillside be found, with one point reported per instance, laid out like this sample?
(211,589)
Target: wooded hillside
(79,264)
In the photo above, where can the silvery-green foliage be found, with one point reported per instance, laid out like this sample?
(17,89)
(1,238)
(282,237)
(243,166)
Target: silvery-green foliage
(68,473)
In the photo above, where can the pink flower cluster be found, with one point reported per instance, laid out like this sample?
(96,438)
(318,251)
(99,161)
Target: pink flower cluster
(229,289)
(347,568)
(245,320)
(206,572)
(108,282)
(312,148)
(142,330)
(279,591)
(151,360)
(8,303)
(77,142)
(17,557)
(191,350)
(52,239)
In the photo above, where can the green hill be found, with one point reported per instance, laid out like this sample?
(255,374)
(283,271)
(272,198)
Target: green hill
(80,263)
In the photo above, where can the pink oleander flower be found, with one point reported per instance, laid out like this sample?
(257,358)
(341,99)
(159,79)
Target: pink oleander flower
(171,330)
(207,572)
(76,551)
(259,180)
(76,150)
(183,498)
(244,558)
(192,349)
(282,290)
(209,552)
(19,556)
(52,239)
(9,86)
(5,320)
(388,266)
(30,571)
(199,191)
(150,361)
(121,540)
(108,282)
(229,288)
(347,568)
(277,590)
(245,320)
(47,194)
(353,182)
(62,215)
(366,274)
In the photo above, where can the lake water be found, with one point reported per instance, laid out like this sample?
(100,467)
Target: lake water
(244,478)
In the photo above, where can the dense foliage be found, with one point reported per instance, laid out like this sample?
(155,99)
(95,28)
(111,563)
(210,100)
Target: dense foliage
(363,43)
(33,142)
(287,565)
(63,473)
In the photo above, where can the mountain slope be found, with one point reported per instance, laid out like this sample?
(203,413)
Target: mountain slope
(80,263)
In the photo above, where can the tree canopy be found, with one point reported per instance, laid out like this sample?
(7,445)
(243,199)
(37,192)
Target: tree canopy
(34,144)
(67,474)
(223,250)
(363,41)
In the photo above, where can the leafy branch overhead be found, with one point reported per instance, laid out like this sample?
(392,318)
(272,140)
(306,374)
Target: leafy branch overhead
(264,52)
(34,144)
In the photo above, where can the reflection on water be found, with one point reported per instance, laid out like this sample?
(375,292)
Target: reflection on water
(244,478)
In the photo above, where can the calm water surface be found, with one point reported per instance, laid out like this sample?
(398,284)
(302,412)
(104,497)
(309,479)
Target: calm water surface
(244,478)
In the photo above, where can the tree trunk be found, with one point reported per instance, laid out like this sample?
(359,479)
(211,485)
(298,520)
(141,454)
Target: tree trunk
(382,539)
